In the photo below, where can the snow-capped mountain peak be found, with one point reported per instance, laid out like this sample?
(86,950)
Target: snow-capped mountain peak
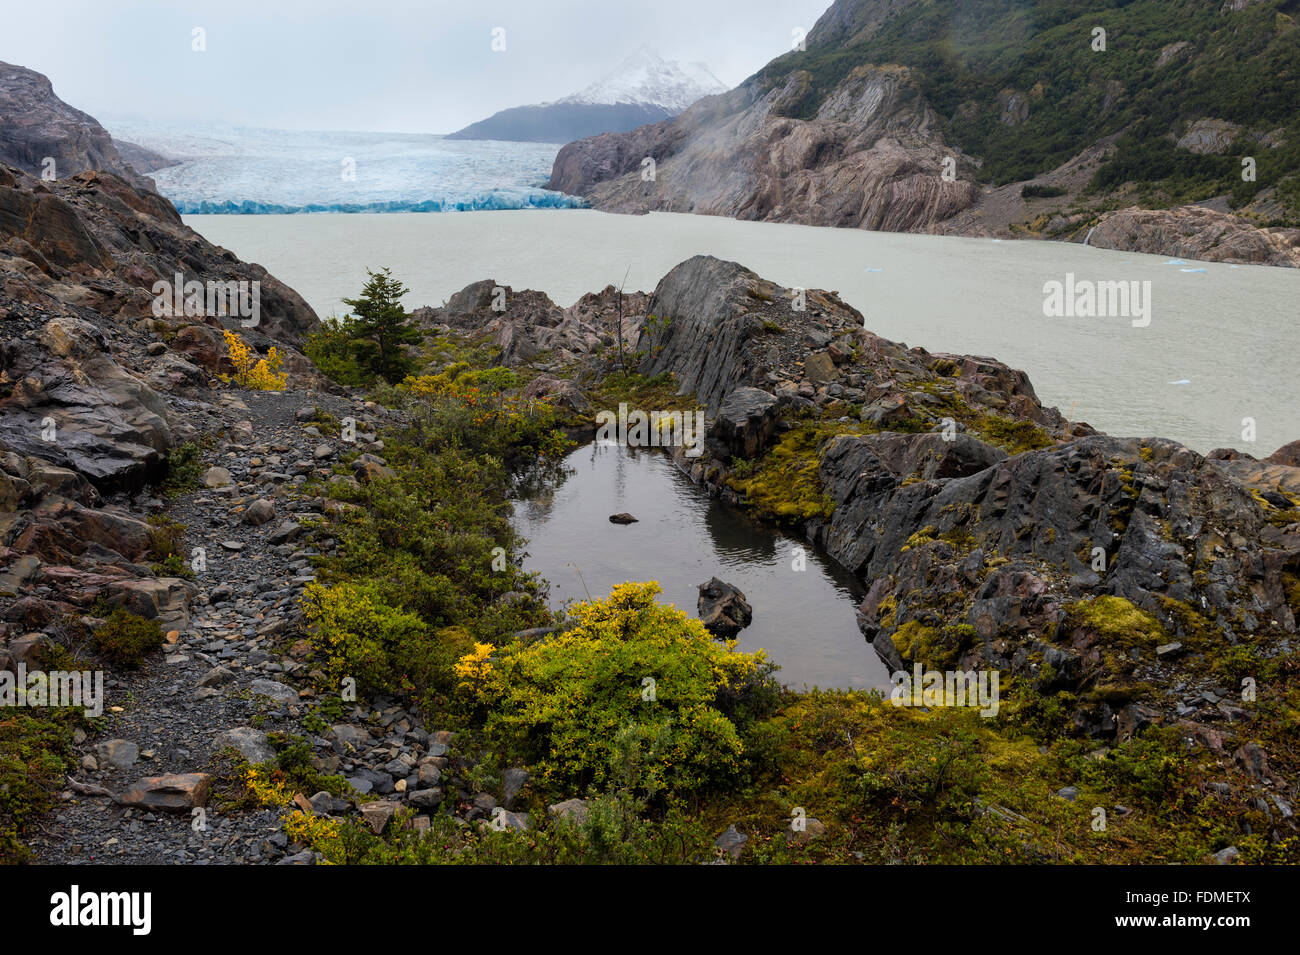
(647,78)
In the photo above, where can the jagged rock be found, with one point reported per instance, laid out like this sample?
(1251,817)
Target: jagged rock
(717,340)
(173,373)
(76,407)
(572,809)
(175,792)
(205,346)
(118,753)
(426,798)
(217,676)
(377,815)
(351,736)
(259,512)
(723,609)
(275,691)
(162,598)
(1288,455)
(287,531)
(1209,136)
(217,477)
(622,518)
(745,424)
(251,743)
(559,391)
(513,782)
(871,157)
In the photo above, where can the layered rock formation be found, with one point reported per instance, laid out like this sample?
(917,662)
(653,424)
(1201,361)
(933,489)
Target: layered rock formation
(1193,232)
(38,128)
(872,157)
(877,124)
(530,328)
(96,390)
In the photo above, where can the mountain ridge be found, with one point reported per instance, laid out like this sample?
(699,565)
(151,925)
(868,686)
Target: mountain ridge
(1000,119)
(643,88)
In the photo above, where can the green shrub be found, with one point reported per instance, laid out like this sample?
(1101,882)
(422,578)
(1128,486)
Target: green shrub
(184,469)
(167,548)
(1041,192)
(332,348)
(35,752)
(356,633)
(574,705)
(124,639)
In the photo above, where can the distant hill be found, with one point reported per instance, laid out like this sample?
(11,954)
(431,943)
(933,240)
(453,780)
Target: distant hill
(645,88)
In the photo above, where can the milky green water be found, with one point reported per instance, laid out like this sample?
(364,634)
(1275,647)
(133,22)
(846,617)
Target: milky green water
(1226,335)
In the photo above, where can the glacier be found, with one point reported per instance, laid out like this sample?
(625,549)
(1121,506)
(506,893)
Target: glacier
(234,170)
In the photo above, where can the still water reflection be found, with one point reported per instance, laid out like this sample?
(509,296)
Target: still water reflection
(804,620)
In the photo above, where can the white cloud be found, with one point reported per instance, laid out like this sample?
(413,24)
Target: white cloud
(370,64)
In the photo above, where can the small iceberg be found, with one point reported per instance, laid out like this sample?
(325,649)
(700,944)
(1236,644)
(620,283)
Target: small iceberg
(873,270)
(1175,262)
(1191,270)
(1181,381)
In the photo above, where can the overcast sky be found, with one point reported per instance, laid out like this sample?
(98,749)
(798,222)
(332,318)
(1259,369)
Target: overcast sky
(386,65)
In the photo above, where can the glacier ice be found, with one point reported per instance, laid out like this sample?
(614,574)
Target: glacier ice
(247,171)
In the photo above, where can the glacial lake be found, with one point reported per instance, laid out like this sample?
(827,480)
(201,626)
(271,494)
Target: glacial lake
(1221,345)
(804,619)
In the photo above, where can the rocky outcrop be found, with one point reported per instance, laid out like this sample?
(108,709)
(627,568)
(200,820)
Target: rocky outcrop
(529,328)
(1209,136)
(845,133)
(42,135)
(718,327)
(1194,232)
(140,158)
(872,157)
(73,405)
(94,241)
(86,365)
(745,423)
(94,400)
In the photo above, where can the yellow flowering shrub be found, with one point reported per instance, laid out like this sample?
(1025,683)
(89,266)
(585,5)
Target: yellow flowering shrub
(319,832)
(474,666)
(628,698)
(261,375)
(355,632)
(267,790)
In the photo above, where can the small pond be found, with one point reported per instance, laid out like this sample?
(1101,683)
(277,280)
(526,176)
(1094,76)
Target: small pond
(803,619)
